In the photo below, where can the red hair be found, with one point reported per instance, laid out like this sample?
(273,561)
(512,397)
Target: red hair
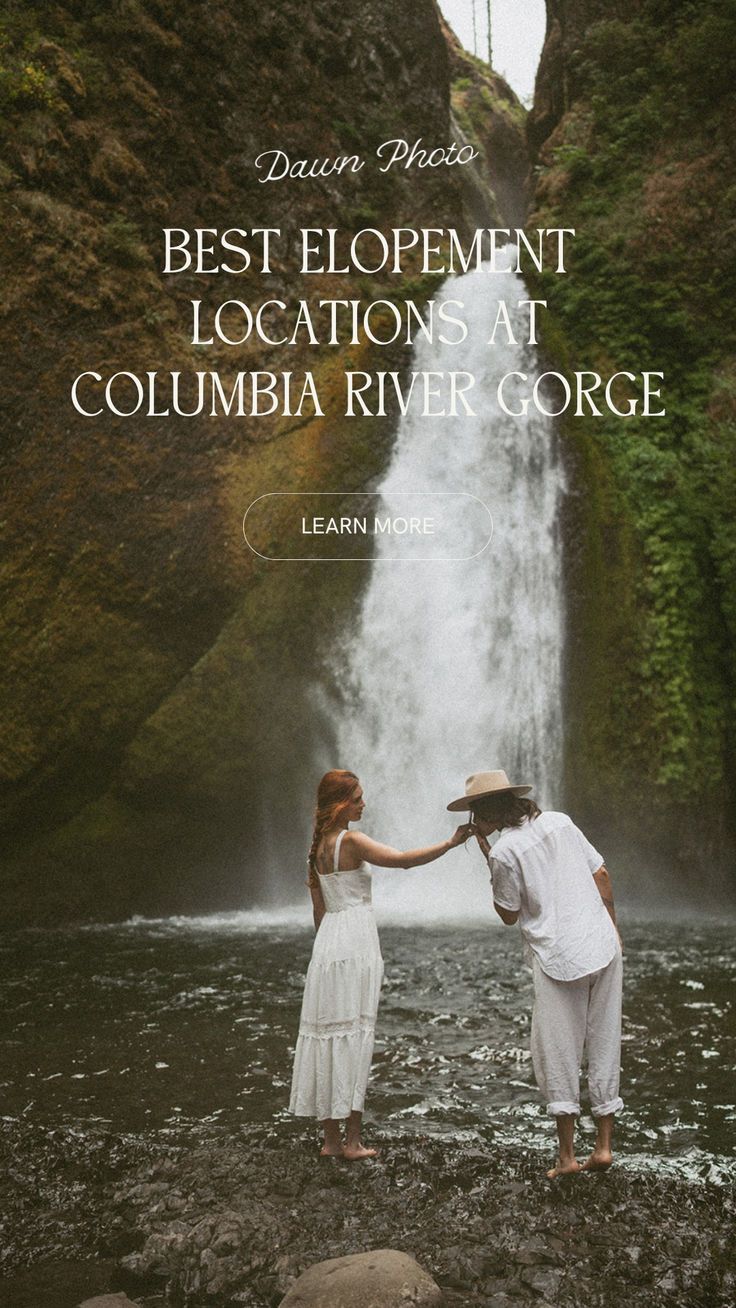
(334,794)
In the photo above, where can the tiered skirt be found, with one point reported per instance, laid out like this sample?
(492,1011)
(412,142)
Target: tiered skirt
(334,1047)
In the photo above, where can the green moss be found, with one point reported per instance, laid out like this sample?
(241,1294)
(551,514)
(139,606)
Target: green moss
(122,244)
(26,84)
(492,121)
(498,104)
(645,177)
(365,215)
(347,133)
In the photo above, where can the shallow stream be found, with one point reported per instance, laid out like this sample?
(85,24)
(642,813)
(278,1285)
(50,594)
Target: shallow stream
(183,1028)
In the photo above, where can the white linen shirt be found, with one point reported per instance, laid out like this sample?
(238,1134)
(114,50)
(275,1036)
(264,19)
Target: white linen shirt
(544,870)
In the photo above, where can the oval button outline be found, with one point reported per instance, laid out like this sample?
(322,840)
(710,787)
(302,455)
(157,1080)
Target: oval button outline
(369,558)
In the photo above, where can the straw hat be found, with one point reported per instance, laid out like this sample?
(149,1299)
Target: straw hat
(480,784)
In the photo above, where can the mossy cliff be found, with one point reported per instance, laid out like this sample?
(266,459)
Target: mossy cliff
(487,113)
(633,129)
(157,713)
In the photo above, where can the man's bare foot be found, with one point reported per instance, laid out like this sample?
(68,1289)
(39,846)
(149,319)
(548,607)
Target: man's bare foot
(568,1168)
(354,1151)
(600,1160)
(331,1151)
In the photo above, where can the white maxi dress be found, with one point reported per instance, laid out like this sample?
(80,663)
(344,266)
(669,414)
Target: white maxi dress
(334,1048)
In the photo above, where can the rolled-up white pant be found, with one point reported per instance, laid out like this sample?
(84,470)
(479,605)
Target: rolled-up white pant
(568,1017)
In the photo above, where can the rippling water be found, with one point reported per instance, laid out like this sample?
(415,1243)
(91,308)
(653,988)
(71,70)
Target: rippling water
(187,1026)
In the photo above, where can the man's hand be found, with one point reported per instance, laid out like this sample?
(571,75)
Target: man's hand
(507,915)
(605,890)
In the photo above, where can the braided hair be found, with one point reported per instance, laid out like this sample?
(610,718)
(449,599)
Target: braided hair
(334,794)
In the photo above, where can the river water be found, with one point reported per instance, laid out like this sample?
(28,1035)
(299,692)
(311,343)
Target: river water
(184,1028)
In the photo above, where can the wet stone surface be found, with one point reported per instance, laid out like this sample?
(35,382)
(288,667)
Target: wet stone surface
(235,1222)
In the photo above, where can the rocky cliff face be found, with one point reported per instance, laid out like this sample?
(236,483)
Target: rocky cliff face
(557,83)
(157,714)
(632,133)
(486,112)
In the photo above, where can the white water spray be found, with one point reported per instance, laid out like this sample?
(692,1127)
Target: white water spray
(456,667)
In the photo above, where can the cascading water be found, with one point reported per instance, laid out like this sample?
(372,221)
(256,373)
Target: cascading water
(455,667)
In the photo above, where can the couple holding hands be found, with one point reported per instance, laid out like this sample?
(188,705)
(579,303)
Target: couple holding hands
(546,876)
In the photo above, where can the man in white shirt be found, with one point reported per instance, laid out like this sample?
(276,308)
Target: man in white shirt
(547,877)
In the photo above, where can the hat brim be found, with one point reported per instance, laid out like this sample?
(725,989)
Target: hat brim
(467,801)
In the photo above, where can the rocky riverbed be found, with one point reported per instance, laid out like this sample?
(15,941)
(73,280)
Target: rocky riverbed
(234,1220)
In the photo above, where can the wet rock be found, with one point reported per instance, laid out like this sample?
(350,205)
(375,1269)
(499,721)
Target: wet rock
(534,1252)
(204,1253)
(543,1280)
(667,1283)
(463,1269)
(232,1237)
(109,1301)
(384,1278)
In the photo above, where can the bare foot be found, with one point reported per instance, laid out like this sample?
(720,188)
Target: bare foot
(354,1151)
(600,1160)
(564,1169)
(331,1151)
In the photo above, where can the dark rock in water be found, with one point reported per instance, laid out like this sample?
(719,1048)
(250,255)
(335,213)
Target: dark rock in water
(543,1280)
(109,1301)
(486,1224)
(383,1278)
(534,1252)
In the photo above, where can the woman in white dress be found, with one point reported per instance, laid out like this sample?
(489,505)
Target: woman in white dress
(336,1031)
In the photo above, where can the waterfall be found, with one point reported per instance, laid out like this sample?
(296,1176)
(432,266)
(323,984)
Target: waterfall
(455,667)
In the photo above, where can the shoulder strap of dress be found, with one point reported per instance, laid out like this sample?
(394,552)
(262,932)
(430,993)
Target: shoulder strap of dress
(338,843)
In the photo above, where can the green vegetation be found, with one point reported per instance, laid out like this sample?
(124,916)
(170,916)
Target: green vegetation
(645,175)
(501,104)
(121,242)
(34,72)
(26,83)
(24,80)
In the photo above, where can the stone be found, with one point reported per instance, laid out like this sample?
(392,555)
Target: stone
(109,1301)
(544,1281)
(534,1252)
(383,1278)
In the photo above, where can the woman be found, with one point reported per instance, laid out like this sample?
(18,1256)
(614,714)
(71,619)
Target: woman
(336,1032)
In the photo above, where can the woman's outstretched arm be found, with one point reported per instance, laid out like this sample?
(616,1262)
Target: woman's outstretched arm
(385,856)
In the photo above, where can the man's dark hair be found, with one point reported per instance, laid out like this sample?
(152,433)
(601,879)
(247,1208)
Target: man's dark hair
(505,810)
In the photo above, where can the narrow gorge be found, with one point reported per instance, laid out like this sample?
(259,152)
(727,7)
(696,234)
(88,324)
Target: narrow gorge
(156,676)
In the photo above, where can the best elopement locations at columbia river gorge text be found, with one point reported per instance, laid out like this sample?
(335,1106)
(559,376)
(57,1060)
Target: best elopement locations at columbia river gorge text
(336,322)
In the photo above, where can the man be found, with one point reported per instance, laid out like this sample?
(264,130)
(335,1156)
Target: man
(547,877)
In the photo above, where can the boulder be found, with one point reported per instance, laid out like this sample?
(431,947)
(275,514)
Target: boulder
(383,1278)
